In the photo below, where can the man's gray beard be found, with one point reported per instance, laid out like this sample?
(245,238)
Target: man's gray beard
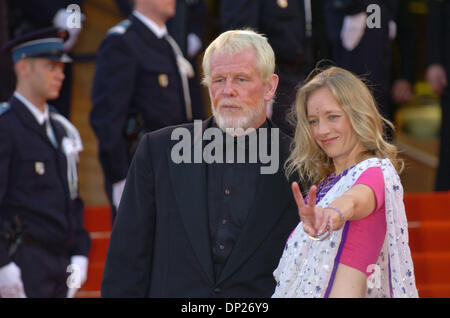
(248,121)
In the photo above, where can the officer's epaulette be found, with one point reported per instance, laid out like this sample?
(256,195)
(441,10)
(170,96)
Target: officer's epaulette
(120,28)
(4,107)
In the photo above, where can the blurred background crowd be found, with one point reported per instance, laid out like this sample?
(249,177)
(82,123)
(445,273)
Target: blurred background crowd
(401,47)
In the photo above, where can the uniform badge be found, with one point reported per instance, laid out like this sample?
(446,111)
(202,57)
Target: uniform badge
(282,3)
(39,168)
(163,80)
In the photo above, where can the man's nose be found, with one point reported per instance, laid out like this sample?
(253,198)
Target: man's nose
(60,73)
(228,89)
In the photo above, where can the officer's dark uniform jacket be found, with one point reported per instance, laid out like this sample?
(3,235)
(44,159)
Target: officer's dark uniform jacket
(34,186)
(136,73)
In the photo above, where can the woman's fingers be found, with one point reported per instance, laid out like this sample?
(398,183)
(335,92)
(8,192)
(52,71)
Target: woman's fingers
(309,230)
(312,196)
(297,195)
(324,221)
(314,219)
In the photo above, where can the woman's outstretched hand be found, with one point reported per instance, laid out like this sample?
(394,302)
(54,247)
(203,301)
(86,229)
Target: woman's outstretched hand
(315,219)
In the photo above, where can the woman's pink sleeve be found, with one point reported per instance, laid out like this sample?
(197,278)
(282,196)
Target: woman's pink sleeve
(365,237)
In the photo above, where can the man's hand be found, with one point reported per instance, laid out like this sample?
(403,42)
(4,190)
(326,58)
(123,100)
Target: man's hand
(11,285)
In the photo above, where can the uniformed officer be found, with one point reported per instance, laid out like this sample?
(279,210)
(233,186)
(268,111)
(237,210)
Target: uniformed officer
(41,214)
(25,16)
(361,33)
(141,84)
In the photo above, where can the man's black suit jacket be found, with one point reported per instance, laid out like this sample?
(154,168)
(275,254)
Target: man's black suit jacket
(160,244)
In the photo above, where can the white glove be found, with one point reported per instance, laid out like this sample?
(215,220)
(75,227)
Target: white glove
(194,44)
(353,30)
(117,190)
(78,268)
(11,285)
(70,21)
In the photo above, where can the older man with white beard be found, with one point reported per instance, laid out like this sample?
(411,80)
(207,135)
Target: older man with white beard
(208,229)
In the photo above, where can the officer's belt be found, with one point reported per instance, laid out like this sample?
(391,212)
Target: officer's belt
(54,248)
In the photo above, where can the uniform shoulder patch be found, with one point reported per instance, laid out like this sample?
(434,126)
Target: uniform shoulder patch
(4,107)
(120,28)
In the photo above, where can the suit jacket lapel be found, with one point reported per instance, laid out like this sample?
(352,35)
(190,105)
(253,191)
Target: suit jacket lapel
(189,183)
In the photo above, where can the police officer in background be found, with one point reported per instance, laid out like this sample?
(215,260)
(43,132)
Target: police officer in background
(361,32)
(41,215)
(141,84)
(25,16)
(295,30)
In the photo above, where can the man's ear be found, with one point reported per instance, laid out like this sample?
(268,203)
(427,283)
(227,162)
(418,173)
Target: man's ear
(22,67)
(271,87)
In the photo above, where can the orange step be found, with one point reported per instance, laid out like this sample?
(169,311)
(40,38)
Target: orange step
(95,274)
(433,206)
(432,268)
(99,246)
(91,288)
(97,219)
(88,294)
(429,236)
(434,291)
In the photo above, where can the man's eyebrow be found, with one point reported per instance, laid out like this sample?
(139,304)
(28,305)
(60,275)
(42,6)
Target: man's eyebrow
(242,74)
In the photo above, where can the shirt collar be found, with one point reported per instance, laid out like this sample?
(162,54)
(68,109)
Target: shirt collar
(246,138)
(160,32)
(40,116)
(265,124)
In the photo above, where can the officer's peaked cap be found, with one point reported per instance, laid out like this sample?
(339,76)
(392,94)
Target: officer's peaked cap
(45,43)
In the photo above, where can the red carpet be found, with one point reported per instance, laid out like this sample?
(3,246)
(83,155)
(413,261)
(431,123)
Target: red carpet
(429,218)
(428,215)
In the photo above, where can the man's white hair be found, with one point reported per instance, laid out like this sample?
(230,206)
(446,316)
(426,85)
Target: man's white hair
(235,41)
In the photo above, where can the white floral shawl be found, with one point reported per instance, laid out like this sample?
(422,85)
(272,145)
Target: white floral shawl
(307,267)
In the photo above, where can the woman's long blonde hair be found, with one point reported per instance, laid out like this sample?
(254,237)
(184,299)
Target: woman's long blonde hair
(307,158)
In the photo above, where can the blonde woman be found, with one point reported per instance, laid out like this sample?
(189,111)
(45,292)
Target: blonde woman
(352,240)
